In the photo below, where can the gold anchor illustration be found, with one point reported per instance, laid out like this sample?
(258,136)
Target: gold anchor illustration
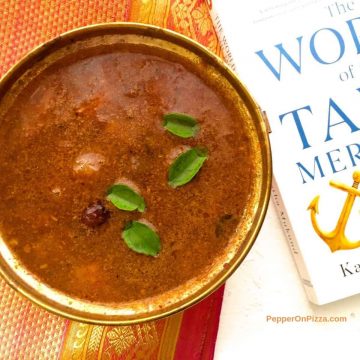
(336,239)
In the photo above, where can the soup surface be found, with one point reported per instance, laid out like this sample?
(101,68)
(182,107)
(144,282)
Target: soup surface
(95,119)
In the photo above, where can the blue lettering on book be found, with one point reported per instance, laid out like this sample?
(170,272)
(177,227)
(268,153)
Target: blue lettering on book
(338,121)
(336,160)
(353,154)
(304,172)
(296,117)
(333,161)
(332,108)
(315,53)
(295,59)
(296,64)
(353,33)
(345,119)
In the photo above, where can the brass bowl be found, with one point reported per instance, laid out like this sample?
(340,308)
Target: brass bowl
(217,73)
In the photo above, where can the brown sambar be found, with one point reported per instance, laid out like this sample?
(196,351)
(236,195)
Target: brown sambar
(88,115)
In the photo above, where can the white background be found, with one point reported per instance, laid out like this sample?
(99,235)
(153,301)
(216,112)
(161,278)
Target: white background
(267,283)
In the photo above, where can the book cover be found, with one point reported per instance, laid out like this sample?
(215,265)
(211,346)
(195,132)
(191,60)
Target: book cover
(300,59)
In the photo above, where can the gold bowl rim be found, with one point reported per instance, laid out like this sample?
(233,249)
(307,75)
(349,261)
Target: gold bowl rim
(258,217)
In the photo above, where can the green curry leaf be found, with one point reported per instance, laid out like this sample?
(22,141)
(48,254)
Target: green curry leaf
(181,125)
(141,238)
(125,198)
(186,166)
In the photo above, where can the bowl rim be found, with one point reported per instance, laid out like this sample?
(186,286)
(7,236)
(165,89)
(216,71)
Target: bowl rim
(258,217)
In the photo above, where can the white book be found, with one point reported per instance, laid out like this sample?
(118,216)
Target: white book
(300,59)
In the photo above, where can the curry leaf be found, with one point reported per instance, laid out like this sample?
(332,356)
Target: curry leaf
(186,166)
(181,125)
(125,198)
(141,238)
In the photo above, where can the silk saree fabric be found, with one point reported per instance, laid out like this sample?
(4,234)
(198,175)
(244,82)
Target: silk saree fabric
(28,332)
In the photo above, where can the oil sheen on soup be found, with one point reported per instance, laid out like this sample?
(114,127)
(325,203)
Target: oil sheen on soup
(94,120)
